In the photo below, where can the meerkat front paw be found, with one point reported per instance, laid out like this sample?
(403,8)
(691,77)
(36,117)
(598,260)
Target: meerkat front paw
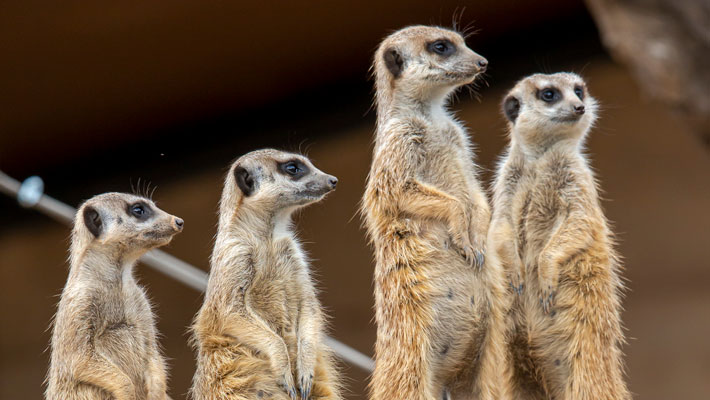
(466,249)
(516,282)
(287,385)
(477,240)
(548,278)
(305,383)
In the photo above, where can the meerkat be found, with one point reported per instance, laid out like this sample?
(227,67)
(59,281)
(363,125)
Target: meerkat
(260,332)
(549,234)
(438,308)
(104,342)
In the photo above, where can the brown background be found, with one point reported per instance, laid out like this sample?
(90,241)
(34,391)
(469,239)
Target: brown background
(96,96)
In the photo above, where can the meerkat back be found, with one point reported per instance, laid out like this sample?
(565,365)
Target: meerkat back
(551,238)
(437,305)
(260,331)
(104,342)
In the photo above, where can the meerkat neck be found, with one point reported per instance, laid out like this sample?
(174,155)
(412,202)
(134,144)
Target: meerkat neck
(262,223)
(534,149)
(430,103)
(105,266)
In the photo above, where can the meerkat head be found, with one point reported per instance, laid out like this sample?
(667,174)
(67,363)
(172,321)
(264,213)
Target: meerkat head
(274,180)
(544,108)
(125,222)
(425,62)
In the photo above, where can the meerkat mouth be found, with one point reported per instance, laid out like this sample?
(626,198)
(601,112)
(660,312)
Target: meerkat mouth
(463,76)
(567,119)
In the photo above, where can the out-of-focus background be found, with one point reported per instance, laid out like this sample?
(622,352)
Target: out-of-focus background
(96,95)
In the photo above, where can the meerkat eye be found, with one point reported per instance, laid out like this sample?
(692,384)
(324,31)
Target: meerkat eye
(139,210)
(291,168)
(549,95)
(579,91)
(442,47)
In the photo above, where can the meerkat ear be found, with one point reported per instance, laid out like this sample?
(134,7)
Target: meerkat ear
(393,61)
(511,108)
(92,220)
(244,180)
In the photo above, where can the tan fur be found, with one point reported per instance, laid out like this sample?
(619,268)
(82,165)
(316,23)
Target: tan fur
(439,320)
(260,331)
(104,341)
(550,235)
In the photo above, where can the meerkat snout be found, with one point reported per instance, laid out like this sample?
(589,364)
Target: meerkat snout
(179,223)
(482,64)
(333,182)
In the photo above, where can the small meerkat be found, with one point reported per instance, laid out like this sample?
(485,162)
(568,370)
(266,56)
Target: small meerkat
(439,313)
(260,332)
(549,234)
(104,341)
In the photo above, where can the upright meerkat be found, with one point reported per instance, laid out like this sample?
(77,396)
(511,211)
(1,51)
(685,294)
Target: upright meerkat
(550,235)
(438,308)
(104,341)
(260,331)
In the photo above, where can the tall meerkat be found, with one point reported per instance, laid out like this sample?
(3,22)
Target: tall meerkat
(438,308)
(550,235)
(104,341)
(260,331)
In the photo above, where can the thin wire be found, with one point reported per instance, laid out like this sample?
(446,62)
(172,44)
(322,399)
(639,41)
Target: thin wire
(167,264)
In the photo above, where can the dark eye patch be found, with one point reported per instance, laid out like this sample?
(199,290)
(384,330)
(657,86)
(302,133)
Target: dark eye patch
(442,47)
(549,95)
(139,210)
(295,169)
(579,91)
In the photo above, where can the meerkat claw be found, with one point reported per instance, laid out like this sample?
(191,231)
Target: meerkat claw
(288,388)
(306,386)
(480,258)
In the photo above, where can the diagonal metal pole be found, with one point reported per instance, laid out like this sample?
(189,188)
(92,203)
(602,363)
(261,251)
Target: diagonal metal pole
(163,262)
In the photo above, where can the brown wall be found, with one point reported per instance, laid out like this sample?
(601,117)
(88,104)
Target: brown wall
(656,183)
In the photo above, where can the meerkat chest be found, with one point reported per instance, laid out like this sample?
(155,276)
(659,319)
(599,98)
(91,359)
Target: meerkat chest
(277,290)
(124,311)
(444,153)
(542,199)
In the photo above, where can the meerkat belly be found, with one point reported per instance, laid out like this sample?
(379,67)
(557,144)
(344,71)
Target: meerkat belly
(458,301)
(535,213)
(443,164)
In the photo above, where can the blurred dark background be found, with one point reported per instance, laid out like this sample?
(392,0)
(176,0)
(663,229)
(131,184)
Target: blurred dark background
(94,96)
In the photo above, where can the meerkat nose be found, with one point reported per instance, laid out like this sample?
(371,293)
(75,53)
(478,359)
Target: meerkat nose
(179,223)
(482,64)
(332,181)
(579,109)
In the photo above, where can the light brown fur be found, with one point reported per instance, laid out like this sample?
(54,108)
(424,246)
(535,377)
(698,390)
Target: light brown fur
(104,341)
(439,320)
(550,235)
(260,331)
